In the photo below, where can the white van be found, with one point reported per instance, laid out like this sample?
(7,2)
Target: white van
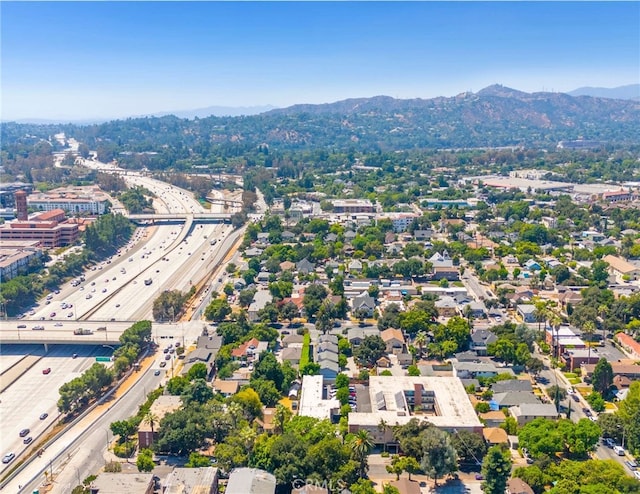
(619,450)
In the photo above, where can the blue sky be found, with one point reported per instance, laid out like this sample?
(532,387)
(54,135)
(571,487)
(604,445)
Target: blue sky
(76,60)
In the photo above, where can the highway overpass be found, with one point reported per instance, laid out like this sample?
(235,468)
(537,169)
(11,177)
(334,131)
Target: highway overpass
(101,332)
(181,218)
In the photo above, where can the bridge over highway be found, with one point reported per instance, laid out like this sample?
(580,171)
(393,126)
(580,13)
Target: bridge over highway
(181,217)
(98,332)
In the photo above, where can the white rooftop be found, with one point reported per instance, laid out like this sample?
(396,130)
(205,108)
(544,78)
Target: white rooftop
(311,402)
(453,410)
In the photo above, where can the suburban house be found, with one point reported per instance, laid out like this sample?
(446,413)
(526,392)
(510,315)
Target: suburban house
(363,302)
(260,299)
(518,486)
(629,345)
(480,339)
(527,312)
(292,355)
(446,306)
(394,340)
(207,348)
(226,387)
(527,412)
(495,435)
(249,350)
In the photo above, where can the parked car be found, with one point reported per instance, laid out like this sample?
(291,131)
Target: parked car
(47,370)
(631,464)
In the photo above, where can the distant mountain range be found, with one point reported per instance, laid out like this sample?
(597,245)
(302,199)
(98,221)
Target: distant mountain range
(217,111)
(493,117)
(630,91)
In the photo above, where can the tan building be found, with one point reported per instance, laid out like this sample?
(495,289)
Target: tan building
(147,432)
(394,339)
(620,267)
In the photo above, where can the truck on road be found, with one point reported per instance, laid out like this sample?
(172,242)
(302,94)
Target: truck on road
(82,331)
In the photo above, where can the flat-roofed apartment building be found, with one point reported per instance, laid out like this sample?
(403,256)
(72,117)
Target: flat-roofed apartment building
(47,228)
(74,200)
(352,206)
(395,400)
(15,257)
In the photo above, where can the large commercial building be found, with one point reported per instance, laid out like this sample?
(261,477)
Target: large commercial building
(74,200)
(49,228)
(395,400)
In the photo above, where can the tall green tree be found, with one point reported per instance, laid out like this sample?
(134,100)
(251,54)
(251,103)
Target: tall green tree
(496,469)
(438,454)
(602,377)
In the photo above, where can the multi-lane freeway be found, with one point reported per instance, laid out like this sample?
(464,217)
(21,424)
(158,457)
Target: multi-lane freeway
(103,302)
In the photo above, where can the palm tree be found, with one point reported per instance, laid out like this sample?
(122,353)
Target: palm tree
(152,419)
(541,311)
(382,427)
(554,321)
(361,446)
(588,328)
(603,311)
(420,340)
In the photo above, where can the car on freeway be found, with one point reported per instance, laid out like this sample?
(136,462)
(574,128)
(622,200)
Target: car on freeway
(156,372)
(44,416)
(88,296)
(53,314)
(22,326)
(24,432)
(8,457)
(27,440)
(38,328)
(104,290)
(75,355)
(70,314)
(631,464)
(58,324)
(167,357)
(47,370)
(163,364)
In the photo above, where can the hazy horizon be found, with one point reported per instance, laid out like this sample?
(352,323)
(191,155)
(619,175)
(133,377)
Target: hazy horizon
(103,60)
